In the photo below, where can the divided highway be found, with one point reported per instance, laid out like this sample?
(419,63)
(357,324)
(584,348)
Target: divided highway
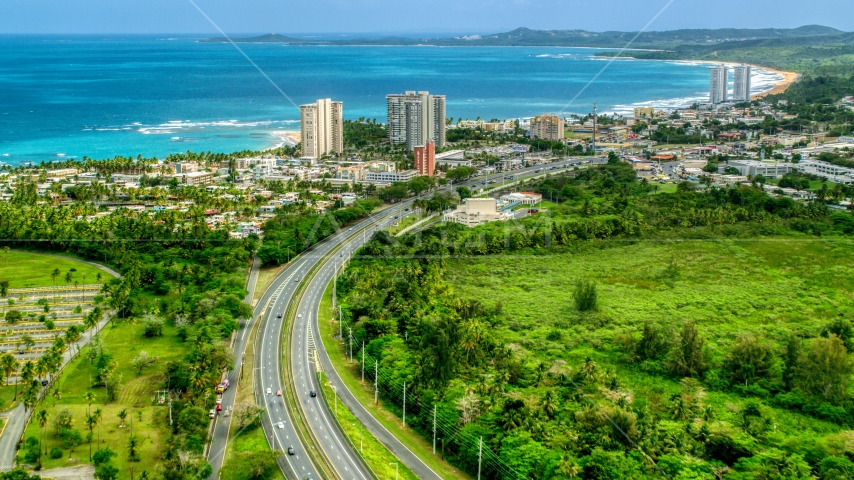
(272,311)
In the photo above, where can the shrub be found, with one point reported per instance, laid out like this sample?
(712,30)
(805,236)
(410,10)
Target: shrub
(102,456)
(48,324)
(152,328)
(55,453)
(585,296)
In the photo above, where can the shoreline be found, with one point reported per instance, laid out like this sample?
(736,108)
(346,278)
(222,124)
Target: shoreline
(788,77)
(285,137)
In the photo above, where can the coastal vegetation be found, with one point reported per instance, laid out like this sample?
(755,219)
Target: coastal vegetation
(694,334)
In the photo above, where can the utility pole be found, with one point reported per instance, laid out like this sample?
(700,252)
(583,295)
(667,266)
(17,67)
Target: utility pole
(404,404)
(479,456)
(350,335)
(363,361)
(376,381)
(594,128)
(434,429)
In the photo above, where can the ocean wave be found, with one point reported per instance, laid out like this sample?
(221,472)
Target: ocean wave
(177,125)
(660,104)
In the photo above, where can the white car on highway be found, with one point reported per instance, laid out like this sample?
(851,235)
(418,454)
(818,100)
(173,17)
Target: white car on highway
(281,425)
(269,390)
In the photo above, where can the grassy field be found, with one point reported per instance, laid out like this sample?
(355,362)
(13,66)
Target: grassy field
(265,278)
(351,376)
(403,223)
(728,288)
(666,188)
(770,288)
(7,395)
(25,270)
(124,341)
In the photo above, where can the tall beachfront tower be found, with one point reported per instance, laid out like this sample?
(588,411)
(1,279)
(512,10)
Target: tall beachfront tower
(718,83)
(414,118)
(322,127)
(741,87)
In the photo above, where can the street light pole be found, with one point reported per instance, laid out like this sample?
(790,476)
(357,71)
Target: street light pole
(335,390)
(395,469)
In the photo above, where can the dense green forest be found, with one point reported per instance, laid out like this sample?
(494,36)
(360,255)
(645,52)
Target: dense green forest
(178,276)
(556,397)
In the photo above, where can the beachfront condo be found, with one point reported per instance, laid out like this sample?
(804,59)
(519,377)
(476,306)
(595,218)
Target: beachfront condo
(741,87)
(322,126)
(718,83)
(415,118)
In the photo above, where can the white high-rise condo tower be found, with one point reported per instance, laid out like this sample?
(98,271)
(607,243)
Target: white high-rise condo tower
(741,87)
(322,126)
(415,118)
(718,83)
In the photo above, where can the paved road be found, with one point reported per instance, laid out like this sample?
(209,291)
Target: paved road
(222,424)
(278,423)
(305,343)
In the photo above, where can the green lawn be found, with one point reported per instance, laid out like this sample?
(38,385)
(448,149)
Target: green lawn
(402,223)
(351,375)
(7,394)
(666,188)
(25,269)
(124,341)
(265,278)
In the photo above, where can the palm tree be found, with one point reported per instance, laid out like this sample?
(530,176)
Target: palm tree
(27,371)
(54,275)
(5,256)
(31,395)
(8,364)
(122,415)
(42,419)
(91,422)
(90,397)
(98,413)
(549,403)
(68,278)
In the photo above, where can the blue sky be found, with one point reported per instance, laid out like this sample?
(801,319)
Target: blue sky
(410,17)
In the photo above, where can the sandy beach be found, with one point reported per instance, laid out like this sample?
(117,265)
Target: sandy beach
(788,79)
(290,139)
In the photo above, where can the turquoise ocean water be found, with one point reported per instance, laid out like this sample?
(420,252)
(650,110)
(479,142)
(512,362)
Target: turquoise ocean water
(70,96)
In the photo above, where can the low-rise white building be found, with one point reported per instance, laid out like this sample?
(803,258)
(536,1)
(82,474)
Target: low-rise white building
(833,173)
(524,198)
(477,211)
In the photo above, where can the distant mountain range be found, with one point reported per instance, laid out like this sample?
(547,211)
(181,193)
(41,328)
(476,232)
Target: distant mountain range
(810,34)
